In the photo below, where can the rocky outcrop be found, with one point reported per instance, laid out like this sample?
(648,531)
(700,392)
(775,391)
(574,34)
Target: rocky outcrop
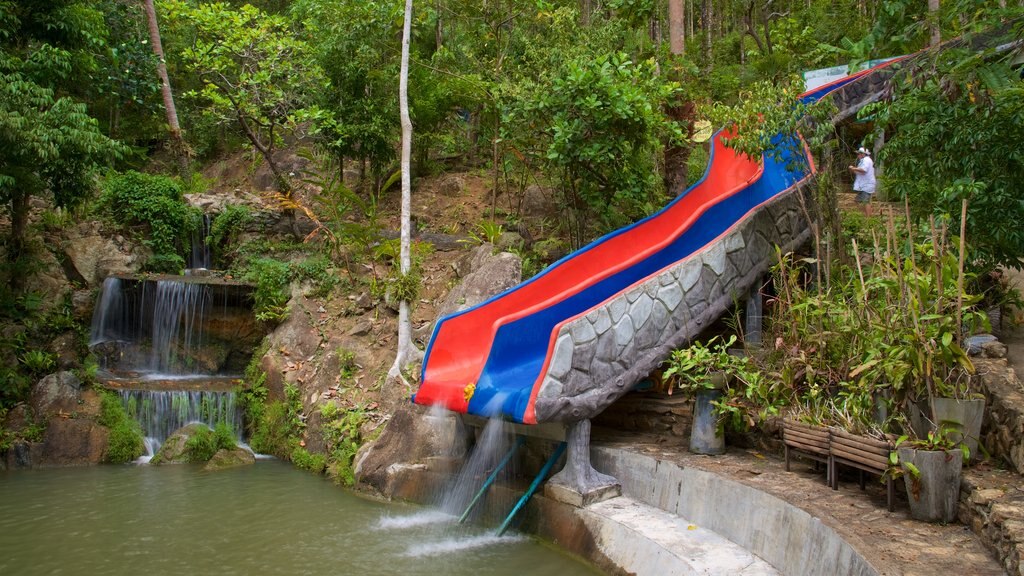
(225,459)
(94,255)
(173,450)
(413,436)
(294,341)
(55,394)
(73,442)
(484,274)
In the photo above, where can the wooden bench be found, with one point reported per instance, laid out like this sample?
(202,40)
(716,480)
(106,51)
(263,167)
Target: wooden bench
(808,441)
(863,453)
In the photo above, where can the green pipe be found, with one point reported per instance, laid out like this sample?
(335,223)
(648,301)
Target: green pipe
(490,479)
(533,487)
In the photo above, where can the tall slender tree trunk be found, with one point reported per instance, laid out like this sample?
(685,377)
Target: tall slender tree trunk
(407,352)
(676,27)
(177,142)
(706,24)
(933,18)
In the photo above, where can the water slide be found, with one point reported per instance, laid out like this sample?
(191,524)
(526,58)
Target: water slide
(490,360)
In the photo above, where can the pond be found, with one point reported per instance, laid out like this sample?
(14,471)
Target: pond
(269,518)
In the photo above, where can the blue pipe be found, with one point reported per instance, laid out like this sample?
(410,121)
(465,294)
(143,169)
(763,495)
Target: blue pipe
(533,487)
(520,440)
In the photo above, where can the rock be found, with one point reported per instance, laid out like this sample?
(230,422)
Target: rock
(18,418)
(173,450)
(538,201)
(510,240)
(411,436)
(95,256)
(973,344)
(489,275)
(73,442)
(364,301)
(55,393)
(451,185)
(50,280)
(23,455)
(995,349)
(65,347)
(361,328)
(225,459)
(82,304)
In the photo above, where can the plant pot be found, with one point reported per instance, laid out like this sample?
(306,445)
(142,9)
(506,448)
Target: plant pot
(705,436)
(935,490)
(962,416)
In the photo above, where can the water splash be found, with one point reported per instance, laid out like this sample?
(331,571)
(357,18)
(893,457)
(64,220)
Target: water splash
(419,519)
(458,544)
(492,443)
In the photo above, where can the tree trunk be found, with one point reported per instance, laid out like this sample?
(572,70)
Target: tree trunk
(177,142)
(676,27)
(933,18)
(407,352)
(706,24)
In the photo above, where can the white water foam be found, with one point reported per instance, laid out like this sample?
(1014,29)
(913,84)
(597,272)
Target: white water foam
(427,517)
(457,544)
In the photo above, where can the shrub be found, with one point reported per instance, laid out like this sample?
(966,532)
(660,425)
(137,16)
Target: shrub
(315,463)
(271,296)
(125,443)
(201,445)
(133,200)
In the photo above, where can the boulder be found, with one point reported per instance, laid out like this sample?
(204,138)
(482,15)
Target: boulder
(18,418)
(82,304)
(65,347)
(225,459)
(412,436)
(49,281)
(95,256)
(451,185)
(55,393)
(173,450)
(73,442)
(539,201)
(488,274)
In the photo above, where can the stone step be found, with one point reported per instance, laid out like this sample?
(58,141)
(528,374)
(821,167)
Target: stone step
(644,540)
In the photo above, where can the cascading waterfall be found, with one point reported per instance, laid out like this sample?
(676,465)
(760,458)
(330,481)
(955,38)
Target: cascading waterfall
(200,257)
(161,412)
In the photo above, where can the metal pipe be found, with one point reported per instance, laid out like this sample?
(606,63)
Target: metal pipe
(490,479)
(533,487)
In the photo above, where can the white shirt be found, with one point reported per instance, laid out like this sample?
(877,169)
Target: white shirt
(865,182)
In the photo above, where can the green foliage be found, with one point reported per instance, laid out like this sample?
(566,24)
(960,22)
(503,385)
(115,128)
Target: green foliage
(318,271)
(154,203)
(225,230)
(280,425)
(302,458)
(125,442)
(255,73)
(38,362)
(341,430)
(272,278)
(204,443)
(603,121)
(947,114)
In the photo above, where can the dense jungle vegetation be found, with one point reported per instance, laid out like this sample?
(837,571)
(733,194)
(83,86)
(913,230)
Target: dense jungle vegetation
(110,108)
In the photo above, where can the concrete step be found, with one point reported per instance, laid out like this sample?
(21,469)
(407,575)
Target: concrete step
(644,540)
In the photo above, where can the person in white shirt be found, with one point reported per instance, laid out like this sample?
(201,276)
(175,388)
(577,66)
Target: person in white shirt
(864,179)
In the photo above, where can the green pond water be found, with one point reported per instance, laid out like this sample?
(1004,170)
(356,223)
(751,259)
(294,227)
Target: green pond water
(264,519)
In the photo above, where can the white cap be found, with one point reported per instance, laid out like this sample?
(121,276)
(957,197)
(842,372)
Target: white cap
(863,150)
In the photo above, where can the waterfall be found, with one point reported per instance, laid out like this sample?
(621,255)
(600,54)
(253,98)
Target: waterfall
(161,412)
(200,258)
(158,327)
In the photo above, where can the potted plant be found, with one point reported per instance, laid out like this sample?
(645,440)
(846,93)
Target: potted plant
(931,468)
(706,371)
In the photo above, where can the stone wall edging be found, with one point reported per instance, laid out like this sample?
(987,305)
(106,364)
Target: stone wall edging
(788,538)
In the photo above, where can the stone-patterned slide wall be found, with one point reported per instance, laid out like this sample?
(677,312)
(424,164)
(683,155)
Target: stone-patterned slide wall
(600,355)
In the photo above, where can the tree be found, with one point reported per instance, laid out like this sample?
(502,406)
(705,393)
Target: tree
(180,150)
(48,142)
(407,352)
(676,27)
(255,72)
(603,124)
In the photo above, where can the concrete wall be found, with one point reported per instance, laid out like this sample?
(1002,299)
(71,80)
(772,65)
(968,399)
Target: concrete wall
(791,540)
